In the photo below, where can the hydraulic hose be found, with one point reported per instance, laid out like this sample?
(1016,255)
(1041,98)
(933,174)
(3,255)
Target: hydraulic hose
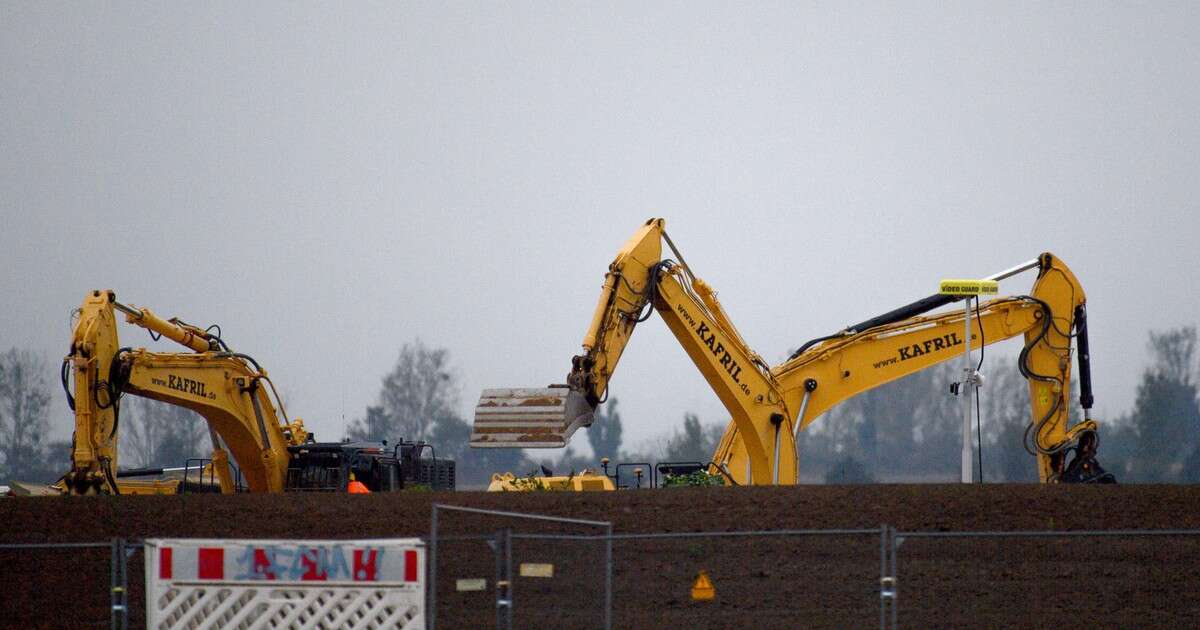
(65,373)
(1023,365)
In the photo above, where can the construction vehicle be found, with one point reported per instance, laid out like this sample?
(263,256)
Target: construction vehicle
(247,422)
(770,405)
(587,481)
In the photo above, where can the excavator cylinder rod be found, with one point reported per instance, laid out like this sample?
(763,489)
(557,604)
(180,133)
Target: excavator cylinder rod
(529,418)
(148,320)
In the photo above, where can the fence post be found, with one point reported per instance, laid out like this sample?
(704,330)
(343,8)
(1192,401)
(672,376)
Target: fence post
(896,540)
(508,577)
(883,574)
(112,590)
(431,571)
(889,583)
(500,548)
(118,610)
(126,551)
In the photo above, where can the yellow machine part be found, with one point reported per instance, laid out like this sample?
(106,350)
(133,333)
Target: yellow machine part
(768,405)
(149,486)
(172,482)
(585,482)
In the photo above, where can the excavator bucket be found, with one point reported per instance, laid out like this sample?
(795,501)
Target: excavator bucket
(529,418)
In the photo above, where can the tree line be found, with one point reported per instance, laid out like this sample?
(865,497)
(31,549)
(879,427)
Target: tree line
(25,452)
(153,434)
(905,431)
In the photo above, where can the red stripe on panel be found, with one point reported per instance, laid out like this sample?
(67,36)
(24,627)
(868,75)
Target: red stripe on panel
(410,565)
(164,563)
(210,563)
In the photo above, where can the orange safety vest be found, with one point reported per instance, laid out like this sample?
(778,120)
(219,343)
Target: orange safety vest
(357,487)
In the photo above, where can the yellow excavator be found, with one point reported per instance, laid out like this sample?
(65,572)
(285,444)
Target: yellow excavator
(770,405)
(232,393)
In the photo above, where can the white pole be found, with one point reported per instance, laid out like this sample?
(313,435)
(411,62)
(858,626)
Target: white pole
(968,379)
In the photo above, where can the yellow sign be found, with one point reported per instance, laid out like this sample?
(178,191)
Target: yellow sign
(534,569)
(702,589)
(969,287)
(473,584)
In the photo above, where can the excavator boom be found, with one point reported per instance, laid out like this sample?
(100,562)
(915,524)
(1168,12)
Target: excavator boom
(832,369)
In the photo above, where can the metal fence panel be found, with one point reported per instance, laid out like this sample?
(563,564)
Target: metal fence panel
(558,582)
(769,579)
(463,575)
(487,569)
(561,573)
(35,578)
(1030,579)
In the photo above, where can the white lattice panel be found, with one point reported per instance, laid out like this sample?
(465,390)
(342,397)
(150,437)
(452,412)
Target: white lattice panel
(285,584)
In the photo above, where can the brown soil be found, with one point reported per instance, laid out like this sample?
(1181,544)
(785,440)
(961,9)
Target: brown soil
(781,581)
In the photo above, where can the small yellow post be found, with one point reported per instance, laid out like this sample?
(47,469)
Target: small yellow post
(702,588)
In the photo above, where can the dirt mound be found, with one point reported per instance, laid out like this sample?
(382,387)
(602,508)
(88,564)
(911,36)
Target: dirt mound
(771,582)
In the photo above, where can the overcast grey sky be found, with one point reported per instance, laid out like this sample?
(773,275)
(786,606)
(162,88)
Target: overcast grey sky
(330,181)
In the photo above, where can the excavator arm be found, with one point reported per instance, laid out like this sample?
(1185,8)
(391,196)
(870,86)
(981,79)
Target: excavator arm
(231,395)
(226,388)
(638,280)
(94,443)
(830,370)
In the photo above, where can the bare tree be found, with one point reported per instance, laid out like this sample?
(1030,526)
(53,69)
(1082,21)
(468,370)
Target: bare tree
(155,433)
(695,441)
(605,433)
(1166,413)
(24,420)
(451,438)
(847,469)
(417,401)
(1005,406)
(420,391)
(903,430)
